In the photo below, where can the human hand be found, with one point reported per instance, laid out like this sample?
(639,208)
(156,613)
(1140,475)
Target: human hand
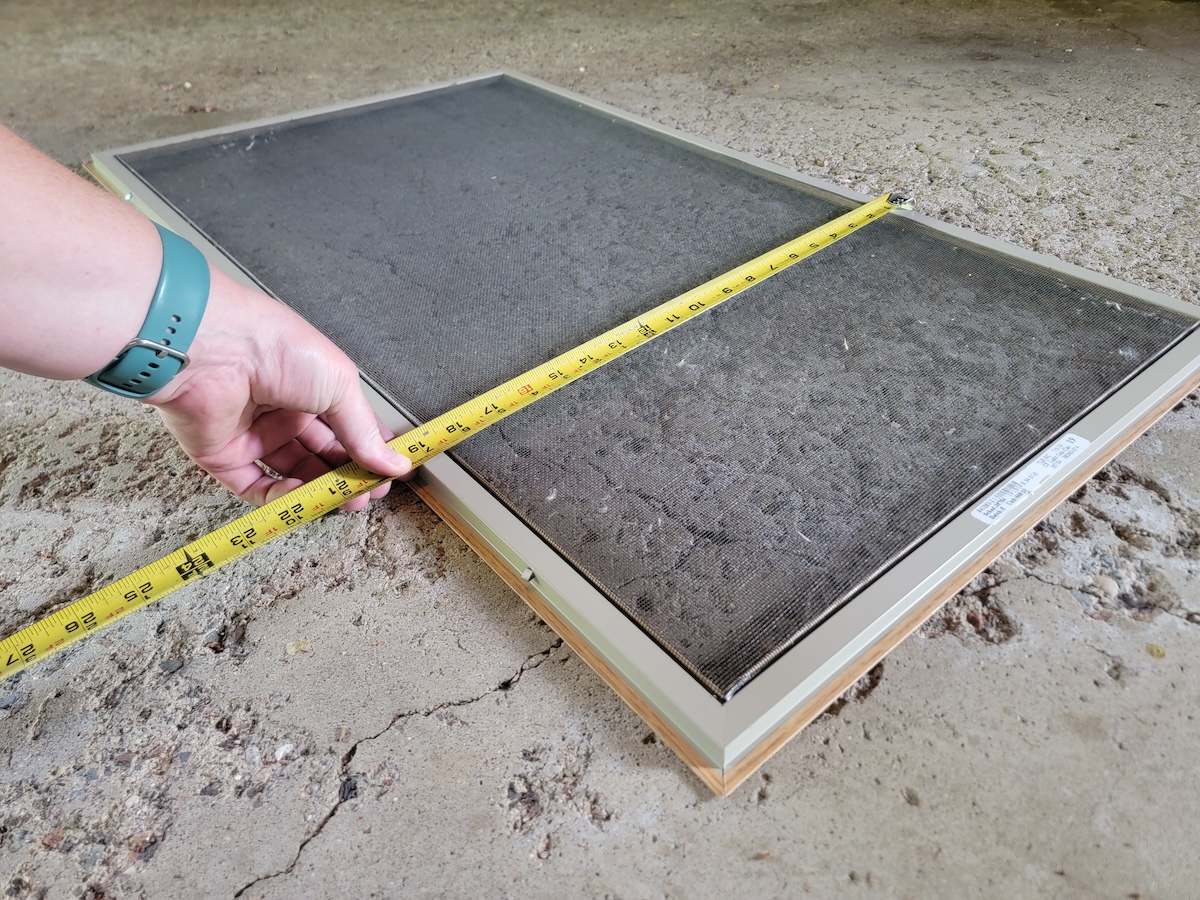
(265,386)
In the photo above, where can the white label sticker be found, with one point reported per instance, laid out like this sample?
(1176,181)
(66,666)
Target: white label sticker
(993,507)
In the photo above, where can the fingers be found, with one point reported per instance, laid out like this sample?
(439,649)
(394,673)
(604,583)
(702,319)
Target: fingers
(270,431)
(294,447)
(279,488)
(294,460)
(266,386)
(361,502)
(254,485)
(287,485)
(299,463)
(357,428)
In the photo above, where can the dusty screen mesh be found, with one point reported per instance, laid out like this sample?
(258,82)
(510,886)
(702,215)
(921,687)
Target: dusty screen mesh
(733,482)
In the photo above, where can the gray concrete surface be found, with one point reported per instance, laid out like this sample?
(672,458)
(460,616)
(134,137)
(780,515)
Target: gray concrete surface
(1036,738)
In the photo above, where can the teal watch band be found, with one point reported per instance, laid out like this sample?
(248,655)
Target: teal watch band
(159,352)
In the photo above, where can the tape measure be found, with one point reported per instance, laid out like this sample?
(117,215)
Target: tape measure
(326,493)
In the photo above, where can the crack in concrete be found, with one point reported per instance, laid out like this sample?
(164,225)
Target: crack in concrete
(1138,41)
(61,598)
(1189,616)
(983,590)
(531,662)
(1142,45)
(1047,581)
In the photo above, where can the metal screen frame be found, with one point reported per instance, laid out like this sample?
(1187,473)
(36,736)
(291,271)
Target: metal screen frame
(725,742)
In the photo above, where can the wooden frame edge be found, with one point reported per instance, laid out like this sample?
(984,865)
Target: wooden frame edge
(711,775)
(724,781)
(739,771)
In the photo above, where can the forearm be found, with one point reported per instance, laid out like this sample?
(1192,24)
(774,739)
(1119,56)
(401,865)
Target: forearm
(78,271)
(79,267)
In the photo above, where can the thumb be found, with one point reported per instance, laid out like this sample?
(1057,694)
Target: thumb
(357,428)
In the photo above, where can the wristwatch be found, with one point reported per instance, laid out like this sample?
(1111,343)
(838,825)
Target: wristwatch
(159,352)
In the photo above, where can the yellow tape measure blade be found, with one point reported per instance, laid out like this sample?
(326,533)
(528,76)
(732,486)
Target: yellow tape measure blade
(104,607)
(326,493)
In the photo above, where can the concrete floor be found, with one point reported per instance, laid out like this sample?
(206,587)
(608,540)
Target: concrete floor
(1036,738)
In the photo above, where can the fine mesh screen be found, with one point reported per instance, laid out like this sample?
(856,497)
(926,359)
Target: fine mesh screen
(733,482)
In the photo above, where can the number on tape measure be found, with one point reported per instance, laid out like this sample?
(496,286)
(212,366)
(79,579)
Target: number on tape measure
(329,491)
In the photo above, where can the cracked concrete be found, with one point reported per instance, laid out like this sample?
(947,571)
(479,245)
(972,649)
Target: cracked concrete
(349,782)
(363,709)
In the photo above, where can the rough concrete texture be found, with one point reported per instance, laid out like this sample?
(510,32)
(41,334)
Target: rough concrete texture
(364,710)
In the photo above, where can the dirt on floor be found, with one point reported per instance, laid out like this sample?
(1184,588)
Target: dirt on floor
(363,709)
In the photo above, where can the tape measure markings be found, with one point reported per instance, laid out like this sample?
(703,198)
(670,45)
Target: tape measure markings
(329,491)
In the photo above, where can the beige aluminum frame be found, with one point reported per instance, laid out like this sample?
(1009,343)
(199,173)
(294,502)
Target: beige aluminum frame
(725,742)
